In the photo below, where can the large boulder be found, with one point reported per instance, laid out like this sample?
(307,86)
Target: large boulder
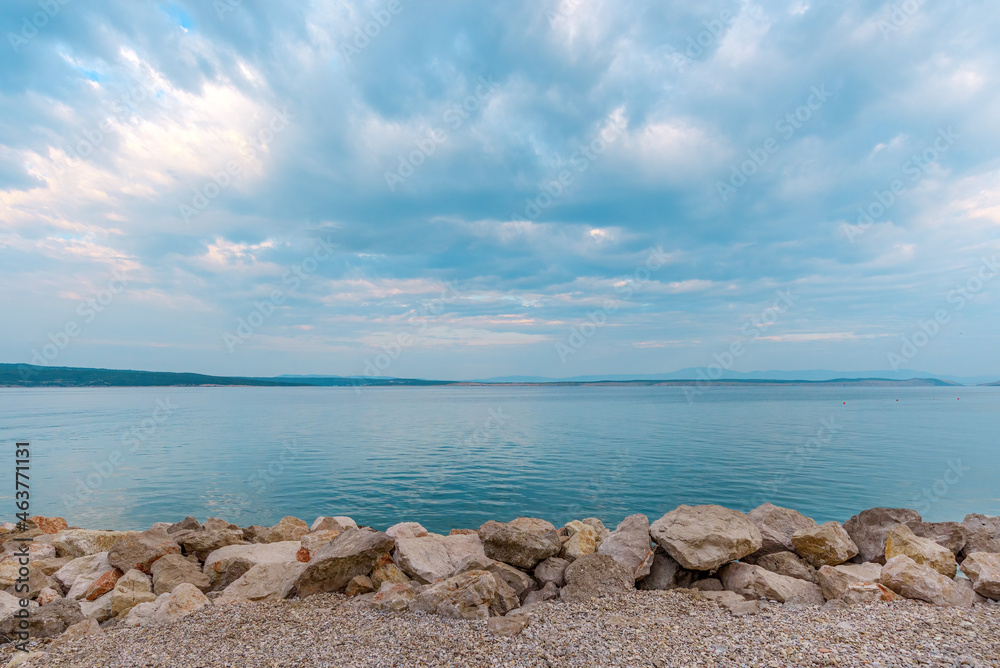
(47,621)
(630,545)
(524,542)
(317,539)
(901,540)
(470,595)
(49,524)
(786,563)
(102,585)
(666,573)
(396,596)
(406,530)
(227,564)
(912,580)
(522,583)
(594,576)
(79,574)
(387,571)
(206,541)
(583,540)
(88,628)
(951,535)
(825,545)
(983,569)
(869,529)
(552,569)
(983,534)
(99,609)
(354,552)
(82,542)
(187,524)
(432,557)
(173,569)
(287,529)
(140,550)
(133,588)
(181,602)
(836,580)
(750,580)
(339,524)
(702,538)
(263,582)
(776,525)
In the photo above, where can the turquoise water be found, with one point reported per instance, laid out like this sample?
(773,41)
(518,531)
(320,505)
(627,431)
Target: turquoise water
(455,457)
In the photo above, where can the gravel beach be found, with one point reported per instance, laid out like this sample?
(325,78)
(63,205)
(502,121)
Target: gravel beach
(641,628)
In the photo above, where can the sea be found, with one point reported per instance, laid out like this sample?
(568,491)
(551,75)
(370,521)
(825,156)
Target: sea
(454,457)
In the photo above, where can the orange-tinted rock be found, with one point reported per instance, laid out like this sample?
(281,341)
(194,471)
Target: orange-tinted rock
(463,532)
(102,585)
(303,555)
(49,524)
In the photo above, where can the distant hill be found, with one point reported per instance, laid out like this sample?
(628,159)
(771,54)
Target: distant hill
(26,375)
(695,373)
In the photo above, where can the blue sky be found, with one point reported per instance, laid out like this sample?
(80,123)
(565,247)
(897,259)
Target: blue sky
(459,190)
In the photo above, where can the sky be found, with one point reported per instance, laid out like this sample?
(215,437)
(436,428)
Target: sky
(534,187)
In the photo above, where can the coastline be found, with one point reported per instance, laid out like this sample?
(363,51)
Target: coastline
(787,591)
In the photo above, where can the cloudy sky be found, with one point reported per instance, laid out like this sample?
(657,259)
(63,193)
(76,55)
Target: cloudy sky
(459,189)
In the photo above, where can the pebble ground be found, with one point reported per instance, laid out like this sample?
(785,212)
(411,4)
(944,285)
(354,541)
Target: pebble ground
(651,629)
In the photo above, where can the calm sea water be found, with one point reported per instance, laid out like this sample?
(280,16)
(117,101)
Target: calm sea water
(455,457)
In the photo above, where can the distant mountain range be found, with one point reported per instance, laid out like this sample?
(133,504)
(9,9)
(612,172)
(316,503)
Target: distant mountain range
(24,375)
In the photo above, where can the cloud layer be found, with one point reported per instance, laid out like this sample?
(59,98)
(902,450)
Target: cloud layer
(468,190)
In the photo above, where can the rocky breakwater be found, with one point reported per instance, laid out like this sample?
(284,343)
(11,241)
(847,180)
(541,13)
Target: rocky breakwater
(83,581)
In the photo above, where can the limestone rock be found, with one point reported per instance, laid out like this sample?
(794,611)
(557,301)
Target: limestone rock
(983,534)
(50,566)
(708,584)
(431,557)
(82,542)
(47,621)
(396,596)
(835,580)
(339,524)
(983,569)
(511,625)
(912,580)
(523,543)
(666,573)
(102,585)
(951,535)
(705,537)
(317,539)
(99,610)
(187,524)
(869,529)
(79,574)
(263,582)
(215,524)
(140,550)
(552,569)
(901,540)
(826,545)
(184,600)
(205,542)
(516,579)
(465,596)
(359,585)
(867,592)
(581,542)
(776,525)
(133,588)
(173,569)
(630,545)
(86,628)
(227,564)
(594,576)
(47,595)
(389,572)
(287,529)
(354,552)
(49,524)
(547,593)
(787,563)
(598,526)
(750,580)
(406,530)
